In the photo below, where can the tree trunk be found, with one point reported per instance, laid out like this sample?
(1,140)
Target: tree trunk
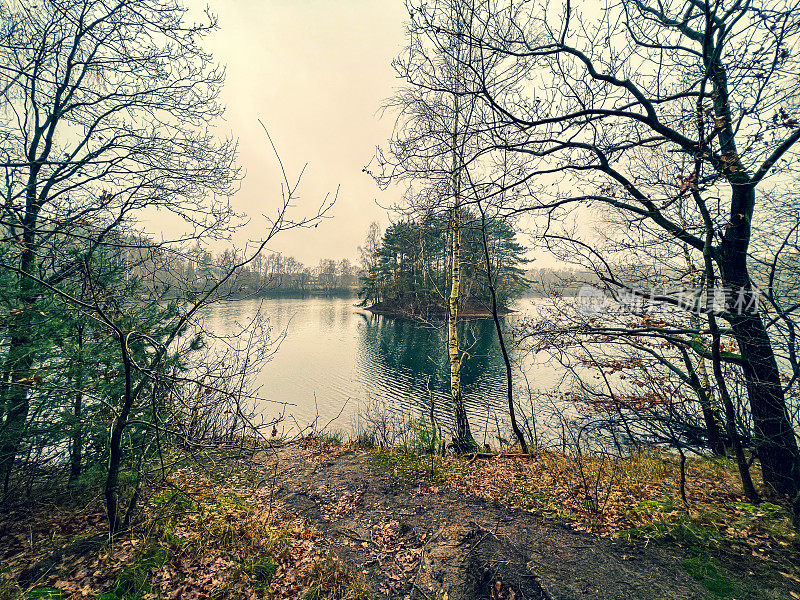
(463,441)
(716,441)
(776,444)
(730,416)
(115,444)
(20,363)
(703,391)
(501,338)
(20,349)
(701,383)
(76,446)
(17,405)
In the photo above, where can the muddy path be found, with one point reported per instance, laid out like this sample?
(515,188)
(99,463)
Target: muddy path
(420,541)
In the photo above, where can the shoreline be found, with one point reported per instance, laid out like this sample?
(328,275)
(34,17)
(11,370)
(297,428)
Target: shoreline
(433,313)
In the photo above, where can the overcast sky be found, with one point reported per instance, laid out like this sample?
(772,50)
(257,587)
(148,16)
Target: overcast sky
(316,72)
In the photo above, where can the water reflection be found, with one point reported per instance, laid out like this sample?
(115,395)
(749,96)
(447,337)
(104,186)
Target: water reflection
(336,355)
(404,350)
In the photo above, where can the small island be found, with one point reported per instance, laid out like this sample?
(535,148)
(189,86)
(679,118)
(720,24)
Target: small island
(408,269)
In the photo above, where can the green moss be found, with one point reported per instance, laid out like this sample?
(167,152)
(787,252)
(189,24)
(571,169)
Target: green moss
(707,571)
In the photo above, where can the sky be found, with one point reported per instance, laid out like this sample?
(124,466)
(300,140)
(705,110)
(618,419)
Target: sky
(316,72)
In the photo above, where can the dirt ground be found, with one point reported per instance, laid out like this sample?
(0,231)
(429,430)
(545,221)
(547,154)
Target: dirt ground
(385,528)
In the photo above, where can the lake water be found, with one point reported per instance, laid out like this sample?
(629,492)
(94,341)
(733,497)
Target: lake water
(337,358)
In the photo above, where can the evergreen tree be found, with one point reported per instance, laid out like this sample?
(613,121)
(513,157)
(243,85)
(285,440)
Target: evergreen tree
(412,268)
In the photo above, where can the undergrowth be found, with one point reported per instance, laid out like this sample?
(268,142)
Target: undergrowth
(635,497)
(197,535)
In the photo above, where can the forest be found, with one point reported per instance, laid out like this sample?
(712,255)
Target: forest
(590,213)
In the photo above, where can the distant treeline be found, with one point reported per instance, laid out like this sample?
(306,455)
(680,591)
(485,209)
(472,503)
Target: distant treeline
(191,273)
(392,269)
(275,275)
(545,282)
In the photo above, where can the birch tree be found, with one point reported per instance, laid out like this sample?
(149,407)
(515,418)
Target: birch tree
(433,136)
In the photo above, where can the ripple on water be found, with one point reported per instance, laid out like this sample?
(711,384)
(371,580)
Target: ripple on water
(335,355)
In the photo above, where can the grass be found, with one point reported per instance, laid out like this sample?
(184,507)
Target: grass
(207,534)
(44,593)
(335,437)
(134,581)
(244,543)
(209,531)
(411,467)
(635,498)
(261,569)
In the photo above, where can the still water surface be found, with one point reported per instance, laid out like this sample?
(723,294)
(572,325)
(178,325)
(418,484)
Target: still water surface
(336,358)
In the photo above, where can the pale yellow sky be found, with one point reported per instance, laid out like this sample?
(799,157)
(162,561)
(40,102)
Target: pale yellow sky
(316,72)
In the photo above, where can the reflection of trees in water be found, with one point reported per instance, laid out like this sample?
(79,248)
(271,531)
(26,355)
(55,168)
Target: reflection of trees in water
(400,345)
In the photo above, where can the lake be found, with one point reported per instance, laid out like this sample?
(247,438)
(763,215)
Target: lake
(337,358)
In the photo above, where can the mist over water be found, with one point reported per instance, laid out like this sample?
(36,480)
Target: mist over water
(334,357)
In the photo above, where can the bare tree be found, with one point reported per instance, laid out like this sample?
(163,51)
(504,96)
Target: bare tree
(598,100)
(106,116)
(430,150)
(97,129)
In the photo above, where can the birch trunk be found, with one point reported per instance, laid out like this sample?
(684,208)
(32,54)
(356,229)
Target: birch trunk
(463,441)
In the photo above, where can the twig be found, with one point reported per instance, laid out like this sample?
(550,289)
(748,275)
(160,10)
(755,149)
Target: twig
(352,536)
(421,591)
